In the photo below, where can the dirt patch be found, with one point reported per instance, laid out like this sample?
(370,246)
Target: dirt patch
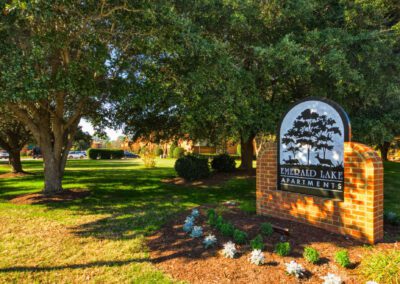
(185,258)
(39,198)
(13,175)
(214,180)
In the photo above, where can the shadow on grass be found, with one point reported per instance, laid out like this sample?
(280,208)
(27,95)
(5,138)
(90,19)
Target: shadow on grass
(71,266)
(134,199)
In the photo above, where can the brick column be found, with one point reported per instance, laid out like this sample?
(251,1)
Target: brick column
(359,215)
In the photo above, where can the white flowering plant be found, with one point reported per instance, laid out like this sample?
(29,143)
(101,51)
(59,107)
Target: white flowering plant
(293,268)
(371,282)
(331,278)
(229,250)
(209,241)
(187,227)
(197,232)
(189,219)
(257,257)
(195,213)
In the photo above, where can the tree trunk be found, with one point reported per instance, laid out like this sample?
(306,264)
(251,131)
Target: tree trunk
(15,161)
(384,148)
(247,152)
(53,173)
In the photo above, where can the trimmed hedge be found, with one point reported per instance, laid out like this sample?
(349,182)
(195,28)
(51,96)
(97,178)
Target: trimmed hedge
(105,154)
(192,168)
(223,163)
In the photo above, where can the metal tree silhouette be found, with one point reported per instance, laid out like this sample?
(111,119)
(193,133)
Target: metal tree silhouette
(291,144)
(325,131)
(303,131)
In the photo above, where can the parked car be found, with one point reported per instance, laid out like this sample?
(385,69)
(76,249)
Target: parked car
(76,155)
(4,154)
(129,155)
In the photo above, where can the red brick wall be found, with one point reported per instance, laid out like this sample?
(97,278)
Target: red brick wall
(359,215)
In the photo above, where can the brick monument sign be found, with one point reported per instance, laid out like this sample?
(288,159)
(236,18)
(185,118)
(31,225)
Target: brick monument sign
(315,175)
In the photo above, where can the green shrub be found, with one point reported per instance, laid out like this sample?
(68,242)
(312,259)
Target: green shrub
(178,152)
(311,254)
(342,258)
(105,154)
(192,168)
(382,267)
(266,229)
(211,213)
(158,151)
(211,217)
(171,150)
(239,236)
(227,229)
(239,150)
(257,243)
(219,222)
(223,163)
(283,249)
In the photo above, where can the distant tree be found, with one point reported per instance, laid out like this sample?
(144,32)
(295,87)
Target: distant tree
(13,137)
(83,140)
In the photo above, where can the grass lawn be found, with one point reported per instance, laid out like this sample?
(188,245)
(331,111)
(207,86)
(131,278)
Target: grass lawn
(100,239)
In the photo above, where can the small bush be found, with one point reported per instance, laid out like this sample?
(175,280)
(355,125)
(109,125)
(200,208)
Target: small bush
(257,243)
(239,236)
(219,222)
(283,249)
(192,168)
(266,229)
(158,151)
(178,152)
(382,266)
(149,160)
(105,154)
(211,213)
(212,218)
(223,163)
(311,254)
(227,229)
(342,258)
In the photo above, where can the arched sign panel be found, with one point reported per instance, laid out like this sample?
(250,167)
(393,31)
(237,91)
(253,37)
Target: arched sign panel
(311,148)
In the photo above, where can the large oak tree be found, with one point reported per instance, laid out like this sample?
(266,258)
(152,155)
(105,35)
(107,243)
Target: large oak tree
(59,62)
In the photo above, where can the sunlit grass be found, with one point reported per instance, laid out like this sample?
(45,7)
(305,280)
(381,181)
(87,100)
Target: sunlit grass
(99,239)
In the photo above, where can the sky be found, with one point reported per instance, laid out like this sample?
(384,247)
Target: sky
(87,126)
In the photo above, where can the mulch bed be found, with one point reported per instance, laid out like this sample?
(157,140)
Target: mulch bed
(39,198)
(185,258)
(215,179)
